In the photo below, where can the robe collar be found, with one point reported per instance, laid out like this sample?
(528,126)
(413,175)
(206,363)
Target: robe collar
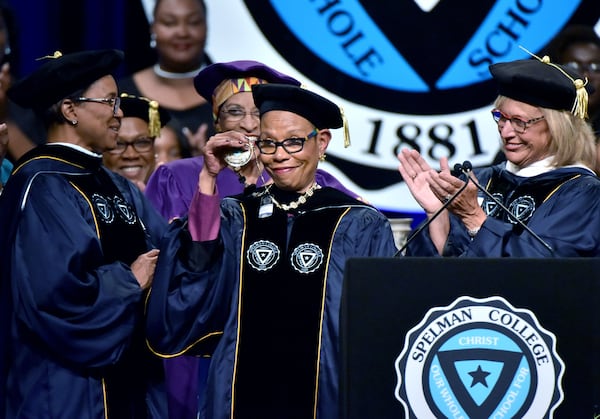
(539,167)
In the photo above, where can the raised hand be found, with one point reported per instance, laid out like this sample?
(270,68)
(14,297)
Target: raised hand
(416,174)
(197,140)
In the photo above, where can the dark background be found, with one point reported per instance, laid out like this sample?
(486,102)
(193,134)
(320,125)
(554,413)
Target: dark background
(44,26)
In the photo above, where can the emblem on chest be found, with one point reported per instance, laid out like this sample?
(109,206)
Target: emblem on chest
(107,208)
(305,258)
(262,255)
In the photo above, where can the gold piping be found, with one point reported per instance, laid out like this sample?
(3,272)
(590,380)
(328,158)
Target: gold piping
(239,314)
(91,208)
(46,157)
(323,313)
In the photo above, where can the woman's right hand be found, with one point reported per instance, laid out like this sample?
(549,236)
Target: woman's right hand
(417,175)
(217,146)
(214,151)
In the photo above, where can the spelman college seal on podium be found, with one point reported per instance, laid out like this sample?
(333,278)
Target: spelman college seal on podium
(479,358)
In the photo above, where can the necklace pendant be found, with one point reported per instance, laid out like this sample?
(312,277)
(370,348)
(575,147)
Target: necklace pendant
(266,207)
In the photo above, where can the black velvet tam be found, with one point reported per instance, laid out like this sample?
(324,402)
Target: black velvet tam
(538,83)
(62,75)
(321,112)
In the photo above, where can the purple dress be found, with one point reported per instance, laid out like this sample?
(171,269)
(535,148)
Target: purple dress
(172,186)
(170,189)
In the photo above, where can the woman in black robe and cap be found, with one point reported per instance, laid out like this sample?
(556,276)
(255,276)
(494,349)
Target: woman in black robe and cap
(550,194)
(264,270)
(77,255)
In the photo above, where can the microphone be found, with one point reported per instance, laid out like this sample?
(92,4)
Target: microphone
(466,168)
(430,220)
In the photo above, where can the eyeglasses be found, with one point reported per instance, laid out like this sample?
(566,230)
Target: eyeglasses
(237,114)
(290,145)
(141,145)
(115,102)
(518,124)
(584,67)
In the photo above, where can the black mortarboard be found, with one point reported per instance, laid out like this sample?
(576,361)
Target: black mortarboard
(321,112)
(539,82)
(146,109)
(61,75)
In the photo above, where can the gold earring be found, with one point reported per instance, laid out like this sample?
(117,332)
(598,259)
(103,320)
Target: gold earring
(322,157)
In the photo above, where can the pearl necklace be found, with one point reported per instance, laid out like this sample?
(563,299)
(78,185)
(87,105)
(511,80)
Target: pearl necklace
(301,200)
(170,75)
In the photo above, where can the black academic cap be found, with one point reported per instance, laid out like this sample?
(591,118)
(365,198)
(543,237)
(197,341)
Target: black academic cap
(61,75)
(539,82)
(146,109)
(213,75)
(321,112)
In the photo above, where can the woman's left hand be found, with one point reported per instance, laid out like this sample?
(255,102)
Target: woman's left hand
(465,205)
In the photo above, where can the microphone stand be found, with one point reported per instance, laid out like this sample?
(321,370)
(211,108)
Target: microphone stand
(466,169)
(430,220)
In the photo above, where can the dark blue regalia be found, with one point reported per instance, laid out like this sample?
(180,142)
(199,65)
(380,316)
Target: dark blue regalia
(72,312)
(264,298)
(561,206)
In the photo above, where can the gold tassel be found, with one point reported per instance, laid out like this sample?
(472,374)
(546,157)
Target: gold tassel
(346,128)
(153,114)
(581,99)
(153,119)
(580,105)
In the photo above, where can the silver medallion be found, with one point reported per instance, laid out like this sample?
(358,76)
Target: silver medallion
(239,157)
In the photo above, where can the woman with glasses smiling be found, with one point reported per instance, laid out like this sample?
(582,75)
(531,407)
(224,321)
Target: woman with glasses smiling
(262,272)
(227,87)
(544,201)
(78,252)
(133,157)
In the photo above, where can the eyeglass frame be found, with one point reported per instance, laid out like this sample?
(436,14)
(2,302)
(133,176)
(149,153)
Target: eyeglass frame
(115,102)
(115,151)
(226,114)
(514,121)
(583,67)
(281,144)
